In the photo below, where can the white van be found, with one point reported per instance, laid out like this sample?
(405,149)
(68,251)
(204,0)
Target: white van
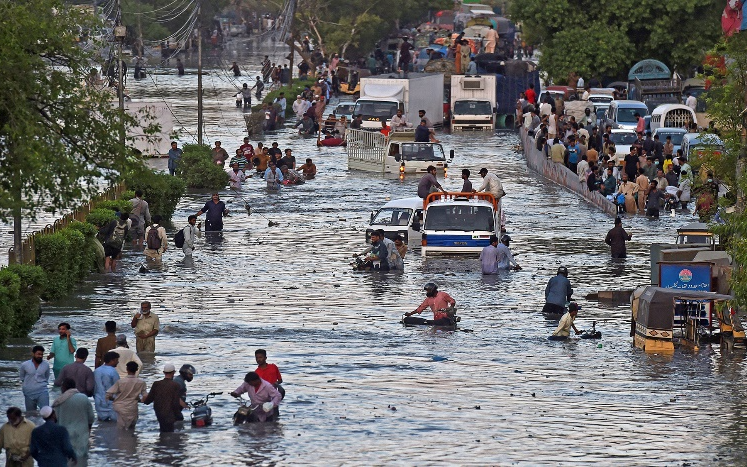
(621,114)
(403,217)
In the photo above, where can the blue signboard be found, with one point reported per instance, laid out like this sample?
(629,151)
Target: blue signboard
(685,276)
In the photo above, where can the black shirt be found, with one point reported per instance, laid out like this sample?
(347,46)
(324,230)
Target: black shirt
(422,134)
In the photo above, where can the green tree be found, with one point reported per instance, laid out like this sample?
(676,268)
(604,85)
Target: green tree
(59,136)
(726,72)
(606,38)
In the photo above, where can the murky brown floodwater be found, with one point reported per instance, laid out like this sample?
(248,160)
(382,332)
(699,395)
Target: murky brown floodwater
(504,395)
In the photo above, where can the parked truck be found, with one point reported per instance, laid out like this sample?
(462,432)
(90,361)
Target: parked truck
(473,102)
(382,96)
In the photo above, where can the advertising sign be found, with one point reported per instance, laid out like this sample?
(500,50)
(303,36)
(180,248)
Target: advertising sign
(685,276)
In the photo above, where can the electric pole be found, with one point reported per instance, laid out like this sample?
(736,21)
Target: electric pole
(199,75)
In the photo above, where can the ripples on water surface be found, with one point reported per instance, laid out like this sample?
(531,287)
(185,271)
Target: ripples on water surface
(504,394)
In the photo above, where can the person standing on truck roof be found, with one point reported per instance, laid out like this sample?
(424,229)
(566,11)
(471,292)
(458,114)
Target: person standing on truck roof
(429,184)
(491,184)
(491,38)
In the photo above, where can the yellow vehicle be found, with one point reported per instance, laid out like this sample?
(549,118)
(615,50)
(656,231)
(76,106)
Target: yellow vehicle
(662,317)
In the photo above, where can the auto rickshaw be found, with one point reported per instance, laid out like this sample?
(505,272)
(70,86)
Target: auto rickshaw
(662,317)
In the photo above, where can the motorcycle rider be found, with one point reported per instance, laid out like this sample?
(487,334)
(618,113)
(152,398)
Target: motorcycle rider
(439,302)
(558,292)
(263,396)
(186,373)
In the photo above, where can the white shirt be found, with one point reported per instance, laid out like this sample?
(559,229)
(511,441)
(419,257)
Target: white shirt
(691,102)
(564,327)
(190,233)
(491,184)
(127,355)
(299,107)
(398,122)
(545,109)
(235,179)
(581,169)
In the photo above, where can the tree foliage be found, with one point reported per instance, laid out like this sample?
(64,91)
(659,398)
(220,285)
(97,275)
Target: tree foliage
(726,72)
(59,137)
(596,38)
(352,27)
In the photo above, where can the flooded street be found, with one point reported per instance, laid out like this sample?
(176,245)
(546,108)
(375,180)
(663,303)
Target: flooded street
(363,390)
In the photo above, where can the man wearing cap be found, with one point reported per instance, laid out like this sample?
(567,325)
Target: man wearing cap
(126,393)
(15,437)
(146,326)
(126,355)
(106,376)
(505,258)
(166,400)
(491,184)
(50,443)
(566,323)
(557,292)
(299,106)
(75,413)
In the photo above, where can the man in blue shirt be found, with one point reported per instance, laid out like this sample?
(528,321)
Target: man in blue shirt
(573,153)
(214,211)
(557,293)
(50,443)
(34,375)
(175,155)
(505,258)
(422,132)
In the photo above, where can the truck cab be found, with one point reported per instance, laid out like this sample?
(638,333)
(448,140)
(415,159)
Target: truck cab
(459,223)
(403,217)
(473,102)
(375,111)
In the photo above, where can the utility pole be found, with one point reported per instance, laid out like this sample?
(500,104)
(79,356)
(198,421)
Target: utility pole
(199,74)
(119,35)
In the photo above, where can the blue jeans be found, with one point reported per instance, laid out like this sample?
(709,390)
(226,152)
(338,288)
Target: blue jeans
(36,401)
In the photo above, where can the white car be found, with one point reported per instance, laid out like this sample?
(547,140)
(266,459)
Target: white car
(623,140)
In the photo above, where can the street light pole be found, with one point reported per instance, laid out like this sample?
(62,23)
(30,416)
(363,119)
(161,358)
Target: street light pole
(119,35)
(199,75)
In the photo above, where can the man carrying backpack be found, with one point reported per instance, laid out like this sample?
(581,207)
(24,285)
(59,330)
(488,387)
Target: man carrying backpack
(114,236)
(185,238)
(156,242)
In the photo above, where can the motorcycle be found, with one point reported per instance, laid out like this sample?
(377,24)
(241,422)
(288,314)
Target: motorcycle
(592,333)
(246,412)
(202,414)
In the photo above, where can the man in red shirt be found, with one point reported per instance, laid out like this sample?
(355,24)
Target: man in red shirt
(268,371)
(439,303)
(247,150)
(531,95)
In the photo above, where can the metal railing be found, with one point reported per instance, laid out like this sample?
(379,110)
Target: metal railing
(368,146)
(28,245)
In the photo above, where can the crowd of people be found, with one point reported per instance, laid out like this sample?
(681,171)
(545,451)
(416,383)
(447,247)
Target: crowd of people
(650,177)
(116,389)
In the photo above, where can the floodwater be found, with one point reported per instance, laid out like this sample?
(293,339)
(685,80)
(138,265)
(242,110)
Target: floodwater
(363,390)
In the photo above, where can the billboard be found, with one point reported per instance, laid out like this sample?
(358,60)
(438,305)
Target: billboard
(685,276)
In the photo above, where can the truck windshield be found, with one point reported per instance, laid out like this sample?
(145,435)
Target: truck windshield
(461,217)
(378,109)
(392,216)
(472,108)
(423,152)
